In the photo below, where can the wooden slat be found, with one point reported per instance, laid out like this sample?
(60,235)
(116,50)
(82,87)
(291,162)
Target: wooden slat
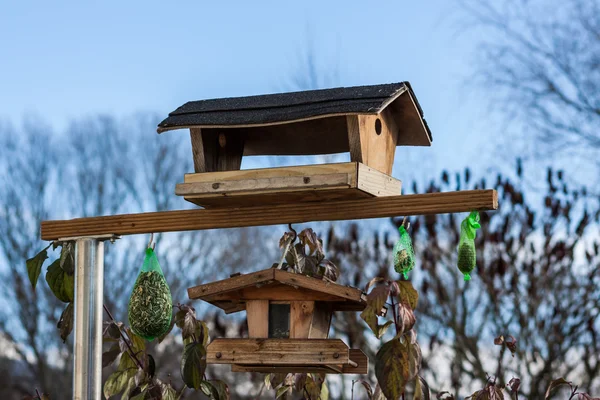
(234,283)
(280,185)
(198,150)
(355,355)
(319,285)
(277,352)
(348,168)
(258,318)
(301,315)
(273,291)
(372,140)
(293,369)
(377,184)
(264,185)
(185,220)
(319,328)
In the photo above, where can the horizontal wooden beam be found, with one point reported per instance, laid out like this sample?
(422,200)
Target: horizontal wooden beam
(277,352)
(188,220)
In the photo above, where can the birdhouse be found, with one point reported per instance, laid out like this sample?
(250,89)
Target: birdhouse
(289,316)
(369,122)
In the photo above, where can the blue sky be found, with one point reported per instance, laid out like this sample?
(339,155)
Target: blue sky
(69,59)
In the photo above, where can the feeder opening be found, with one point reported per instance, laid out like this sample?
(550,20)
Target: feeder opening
(279,321)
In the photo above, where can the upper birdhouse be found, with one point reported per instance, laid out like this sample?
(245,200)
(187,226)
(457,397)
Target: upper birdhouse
(366,121)
(289,316)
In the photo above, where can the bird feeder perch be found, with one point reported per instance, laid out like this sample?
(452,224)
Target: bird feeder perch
(289,316)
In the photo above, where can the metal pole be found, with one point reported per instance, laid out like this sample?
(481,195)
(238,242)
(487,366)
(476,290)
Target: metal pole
(89,289)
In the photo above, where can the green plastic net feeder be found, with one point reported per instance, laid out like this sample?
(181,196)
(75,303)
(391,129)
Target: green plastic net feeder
(466,246)
(150,305)
(404,255)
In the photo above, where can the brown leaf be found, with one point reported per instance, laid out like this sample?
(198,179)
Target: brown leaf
(513,385)
(375,302)
(555,384)
(499,341)
(65,323)
(407,294)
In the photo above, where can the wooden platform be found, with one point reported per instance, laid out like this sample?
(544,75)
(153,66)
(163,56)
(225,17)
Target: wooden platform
(286,355)
(298,184)
(188,220)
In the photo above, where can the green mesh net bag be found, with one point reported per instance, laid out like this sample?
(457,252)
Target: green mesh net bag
(150,305)
(466,246)
(404,255)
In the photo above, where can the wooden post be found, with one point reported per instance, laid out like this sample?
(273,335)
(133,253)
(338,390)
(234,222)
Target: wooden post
(301,315)
(258,318)
(216,149)
(372,140)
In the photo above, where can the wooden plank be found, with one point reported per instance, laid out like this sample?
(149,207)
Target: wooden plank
(258,318)
(291,369)
(301,315)
(277,352)
(273,291)
(376,183)
(264,185)
(348,168)
(234,283)
(321,321)
(184,220)
(198,150)
(372,140)
(307,282)
(278,197)
(286,184)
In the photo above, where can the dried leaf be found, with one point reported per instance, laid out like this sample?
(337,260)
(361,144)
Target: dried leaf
(309,238)
(407,294)
(555,384)
(422,391)
(193,365)
(34,266)
(111,355)
(111,330)
(499,341)
(513,385)
(65,323)
(375,302)
(368,388)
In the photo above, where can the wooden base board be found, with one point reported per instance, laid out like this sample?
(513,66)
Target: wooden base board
(277,352)
(308,183)
(356,355)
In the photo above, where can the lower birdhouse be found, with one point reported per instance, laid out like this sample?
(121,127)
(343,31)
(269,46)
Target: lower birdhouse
(289,316)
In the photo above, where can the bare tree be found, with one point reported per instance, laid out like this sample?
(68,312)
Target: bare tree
(539,63)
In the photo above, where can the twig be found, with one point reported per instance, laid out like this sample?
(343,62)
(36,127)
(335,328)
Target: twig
(38,394)
(124,338)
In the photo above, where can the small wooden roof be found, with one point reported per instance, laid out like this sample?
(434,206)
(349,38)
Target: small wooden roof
(308,122)
(274,284)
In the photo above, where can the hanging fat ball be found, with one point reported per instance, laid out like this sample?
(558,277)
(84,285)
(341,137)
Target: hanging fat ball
(466,247)
(404,255)
(150,305)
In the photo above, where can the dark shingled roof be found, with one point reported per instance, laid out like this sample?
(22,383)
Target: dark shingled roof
(287,107)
